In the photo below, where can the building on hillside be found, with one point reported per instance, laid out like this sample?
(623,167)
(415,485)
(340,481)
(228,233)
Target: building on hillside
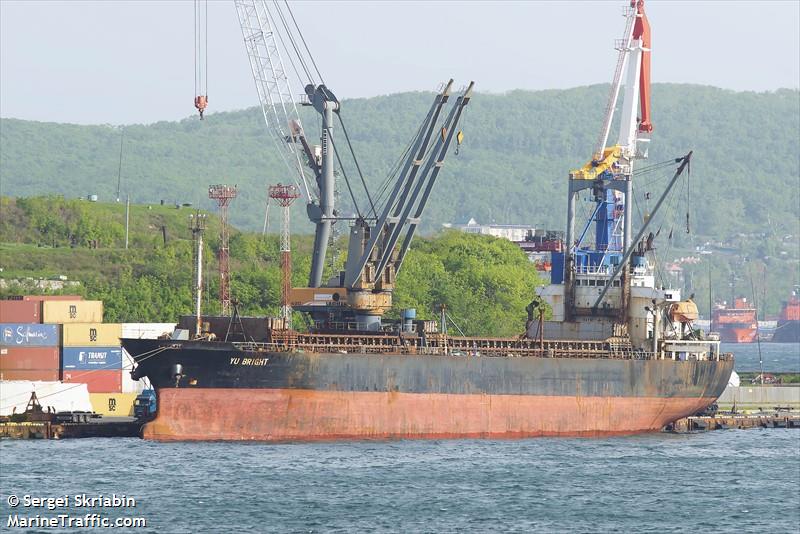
(512,232)
(537,244)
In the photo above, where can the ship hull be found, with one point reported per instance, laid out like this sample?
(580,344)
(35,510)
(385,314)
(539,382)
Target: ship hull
(787,332)
(224,393)
(728,334)
(304,415)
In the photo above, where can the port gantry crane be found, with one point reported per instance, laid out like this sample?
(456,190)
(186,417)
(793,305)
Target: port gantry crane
(359,295)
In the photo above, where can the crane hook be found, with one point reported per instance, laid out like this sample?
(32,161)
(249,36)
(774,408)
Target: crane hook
(200,102)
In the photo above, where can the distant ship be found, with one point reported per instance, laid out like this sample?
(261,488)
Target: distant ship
(737,324)
(788,329)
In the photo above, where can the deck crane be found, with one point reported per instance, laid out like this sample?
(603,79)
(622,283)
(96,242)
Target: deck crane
(608,174)
(361,293)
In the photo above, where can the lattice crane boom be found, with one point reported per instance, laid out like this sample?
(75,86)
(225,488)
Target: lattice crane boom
(273,86)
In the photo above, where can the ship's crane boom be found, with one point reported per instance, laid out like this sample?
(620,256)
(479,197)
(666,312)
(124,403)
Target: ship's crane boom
(634,62)
(272,85)
(271,35)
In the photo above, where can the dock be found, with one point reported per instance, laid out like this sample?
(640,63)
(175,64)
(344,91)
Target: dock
(729,420)
(56,430)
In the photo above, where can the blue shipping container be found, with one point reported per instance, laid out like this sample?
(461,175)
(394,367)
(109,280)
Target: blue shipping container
(29,335)
(109,358)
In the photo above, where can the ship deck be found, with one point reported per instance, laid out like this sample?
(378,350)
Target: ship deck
(439,344)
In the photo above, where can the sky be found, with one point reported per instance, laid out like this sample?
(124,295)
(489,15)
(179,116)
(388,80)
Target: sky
(123,62)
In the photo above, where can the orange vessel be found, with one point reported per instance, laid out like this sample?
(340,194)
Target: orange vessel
(737,324)
(788,330)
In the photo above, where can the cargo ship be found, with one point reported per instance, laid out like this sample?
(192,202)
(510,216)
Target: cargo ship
(788,328)
(604,350)
(736,324)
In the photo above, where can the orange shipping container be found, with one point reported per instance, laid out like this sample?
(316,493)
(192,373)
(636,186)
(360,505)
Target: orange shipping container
(91,334)
(20,311)
(72,311)
(96,381)
(30,358)
(45,375)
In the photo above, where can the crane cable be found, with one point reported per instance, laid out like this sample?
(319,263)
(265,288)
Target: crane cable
(291,38)
(310,76)
(358,167)
(311,57)
(200,56)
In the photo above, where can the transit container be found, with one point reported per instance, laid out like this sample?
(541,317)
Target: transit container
(113,404)
(31,335)
(43,375)
(91,334)
(96,381)
(72,311)
(41,298)
(91,358)
(29,358)
(20,311)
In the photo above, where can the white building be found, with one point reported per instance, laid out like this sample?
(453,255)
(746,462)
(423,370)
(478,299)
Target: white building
(512,232)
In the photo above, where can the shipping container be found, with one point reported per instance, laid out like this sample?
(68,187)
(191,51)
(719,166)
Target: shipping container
(20,311)
(72,311)
(113,404)
(91,358)
(40,298)
(43,375)
(91,334)
(31,335)
(31,358)
(146,330)
(97,381)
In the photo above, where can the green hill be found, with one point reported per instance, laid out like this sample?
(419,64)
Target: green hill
(484,282)
(512,167)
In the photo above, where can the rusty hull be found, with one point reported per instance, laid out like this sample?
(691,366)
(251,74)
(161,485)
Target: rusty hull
(227,393)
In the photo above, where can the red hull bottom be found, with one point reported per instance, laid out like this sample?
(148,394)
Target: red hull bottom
(305,415)
(737,335)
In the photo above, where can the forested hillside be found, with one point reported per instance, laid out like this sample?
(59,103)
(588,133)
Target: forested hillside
(512,167)
(484,282)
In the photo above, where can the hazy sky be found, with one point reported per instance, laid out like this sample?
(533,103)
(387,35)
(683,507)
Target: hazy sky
(124,62)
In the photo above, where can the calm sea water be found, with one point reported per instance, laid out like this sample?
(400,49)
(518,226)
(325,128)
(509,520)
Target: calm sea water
(777,357)
(724,481)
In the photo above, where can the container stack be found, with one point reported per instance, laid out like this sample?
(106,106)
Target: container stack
(29,350)
(64,338)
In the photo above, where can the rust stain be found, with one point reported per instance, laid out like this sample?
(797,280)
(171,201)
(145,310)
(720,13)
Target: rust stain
(305,415)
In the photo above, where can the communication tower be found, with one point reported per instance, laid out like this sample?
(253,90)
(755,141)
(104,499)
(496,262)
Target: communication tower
(224,195)
(284,195)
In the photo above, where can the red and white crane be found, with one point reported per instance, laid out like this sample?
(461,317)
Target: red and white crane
(633,66)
